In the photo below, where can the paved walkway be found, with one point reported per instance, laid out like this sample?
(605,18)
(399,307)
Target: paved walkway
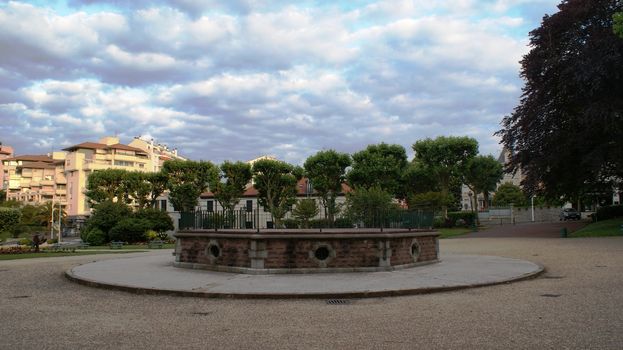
(155,274)
(528,230)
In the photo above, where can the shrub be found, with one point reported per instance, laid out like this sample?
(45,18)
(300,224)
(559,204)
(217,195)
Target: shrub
(468,218)
(609,212)
(130,230)
(159,220)
(53,241)
(151,235)
(25,241)
(9,218)
(305,210)
(343,223)
(369,206)
(96,237)
(107,215)
(290,223)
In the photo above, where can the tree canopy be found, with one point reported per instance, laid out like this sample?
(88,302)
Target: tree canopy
(326,171)
(229,186)
(187,180)
(381,166)
(507,194)
(275,182)
(445,158)
(482,173)
(566,134)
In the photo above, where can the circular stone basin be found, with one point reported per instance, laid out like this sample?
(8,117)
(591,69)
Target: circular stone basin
(305,251)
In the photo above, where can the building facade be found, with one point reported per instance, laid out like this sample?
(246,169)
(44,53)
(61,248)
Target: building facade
(5,152)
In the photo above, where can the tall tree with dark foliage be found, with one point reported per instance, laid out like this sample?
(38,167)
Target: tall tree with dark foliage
(567,131)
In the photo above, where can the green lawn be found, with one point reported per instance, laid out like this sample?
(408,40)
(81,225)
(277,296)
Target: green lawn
(610,227)
(56,254)
(453,232)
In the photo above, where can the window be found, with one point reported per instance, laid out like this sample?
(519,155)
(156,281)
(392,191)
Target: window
(210,206)
(123,163)
(163,204)
(249,205)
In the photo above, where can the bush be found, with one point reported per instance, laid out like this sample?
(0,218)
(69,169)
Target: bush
(53,241)
(96,237)
(290,223)
(468,218)
(343,223)
(107,215)
(130,230)
(609,212)
(151,235)
(159,220)
(369,206)
(25,241)
(9,218)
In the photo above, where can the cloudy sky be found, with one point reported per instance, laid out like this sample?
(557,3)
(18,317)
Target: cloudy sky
(237,79)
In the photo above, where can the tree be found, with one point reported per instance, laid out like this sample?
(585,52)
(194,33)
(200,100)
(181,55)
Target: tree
(159,220)
(305,210)
(136,190)
(445,158)
(381,166)
(617,24)
(429,200)
(508,194)
(566,132)
(482,173)
(105,185)
(231,183)
(369,205)
(105,216)
(275,182)
(326,171)
(186,181)
(157,185)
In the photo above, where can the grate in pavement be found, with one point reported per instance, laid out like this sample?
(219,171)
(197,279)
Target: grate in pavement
(19,296)
(551,295)
(553,277)
(202,313)
(338,301)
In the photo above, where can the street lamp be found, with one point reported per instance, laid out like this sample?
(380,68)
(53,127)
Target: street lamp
(532,206)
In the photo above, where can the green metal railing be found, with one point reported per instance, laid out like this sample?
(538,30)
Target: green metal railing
(244,219)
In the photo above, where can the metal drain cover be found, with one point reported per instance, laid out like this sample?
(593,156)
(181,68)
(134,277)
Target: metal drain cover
(338,302)
(551,295)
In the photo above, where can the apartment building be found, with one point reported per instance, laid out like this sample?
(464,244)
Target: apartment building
(33,179)
(156,152)
(5,152)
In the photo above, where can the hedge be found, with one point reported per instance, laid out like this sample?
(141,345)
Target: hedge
(609,212)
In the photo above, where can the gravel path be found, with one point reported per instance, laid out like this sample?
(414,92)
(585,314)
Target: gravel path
(577,304)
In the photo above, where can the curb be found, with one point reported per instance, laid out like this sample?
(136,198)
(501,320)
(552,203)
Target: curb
(345,295)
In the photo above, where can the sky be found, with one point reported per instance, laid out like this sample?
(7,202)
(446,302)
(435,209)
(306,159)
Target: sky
(237,79)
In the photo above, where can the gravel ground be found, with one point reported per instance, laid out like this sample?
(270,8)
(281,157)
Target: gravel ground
(576,304)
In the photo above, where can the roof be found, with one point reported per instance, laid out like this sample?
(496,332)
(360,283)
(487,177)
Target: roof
(95,145)
(31,158)
(37,165)
(4,152)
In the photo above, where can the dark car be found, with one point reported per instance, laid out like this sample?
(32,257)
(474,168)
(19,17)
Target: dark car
(570,214)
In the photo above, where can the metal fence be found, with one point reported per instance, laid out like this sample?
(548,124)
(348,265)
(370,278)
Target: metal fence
(244,219)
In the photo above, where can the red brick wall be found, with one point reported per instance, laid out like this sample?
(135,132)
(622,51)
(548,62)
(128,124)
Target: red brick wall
(294,253)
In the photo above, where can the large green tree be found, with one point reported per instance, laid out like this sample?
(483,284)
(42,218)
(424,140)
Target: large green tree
(231,183)
(105,185)
(381,166)
(566,134)
(157,185)
(275,182)
(482,173)
(326,171)
(446,158)
(186,181)
(507,194)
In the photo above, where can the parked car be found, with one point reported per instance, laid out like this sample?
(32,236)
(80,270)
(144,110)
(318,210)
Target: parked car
(570,214)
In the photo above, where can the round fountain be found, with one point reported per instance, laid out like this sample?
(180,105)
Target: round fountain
(272,251)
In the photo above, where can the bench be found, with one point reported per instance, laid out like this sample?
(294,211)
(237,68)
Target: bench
(155,244)
(116,245)
(57,247)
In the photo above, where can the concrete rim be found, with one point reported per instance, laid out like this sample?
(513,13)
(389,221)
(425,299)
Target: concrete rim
(423,289)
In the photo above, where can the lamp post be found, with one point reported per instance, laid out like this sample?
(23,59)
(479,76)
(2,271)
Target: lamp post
(532,206)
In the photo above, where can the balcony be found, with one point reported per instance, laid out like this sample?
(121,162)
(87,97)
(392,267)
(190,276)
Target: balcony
(95,164)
